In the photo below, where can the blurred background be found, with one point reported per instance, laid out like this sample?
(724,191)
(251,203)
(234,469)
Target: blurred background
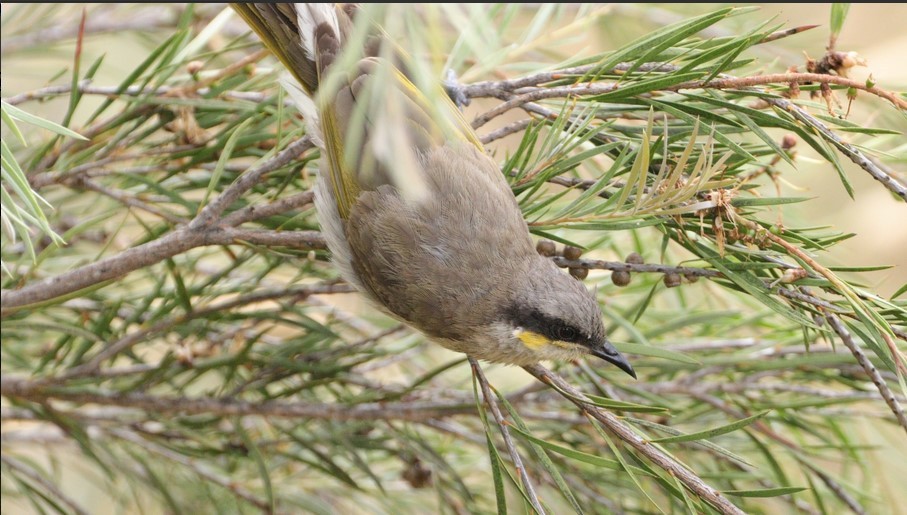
(38,43)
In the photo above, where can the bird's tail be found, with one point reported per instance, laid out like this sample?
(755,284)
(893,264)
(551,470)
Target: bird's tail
(305,37)
(368,116)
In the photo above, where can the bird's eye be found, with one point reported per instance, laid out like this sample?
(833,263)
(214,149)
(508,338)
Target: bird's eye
(566,333)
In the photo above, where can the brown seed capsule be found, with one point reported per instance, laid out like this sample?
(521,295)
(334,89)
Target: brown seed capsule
(620,278)
(546,248)
(417,474)
(572,253)
(691,277)
(672,280)
(194,67)
(579,273)
(788,142)
(635,259)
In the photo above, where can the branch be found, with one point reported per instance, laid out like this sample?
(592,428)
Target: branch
(200,468)
(141,20)
(763,428)
(693,482)
(50,488)
(519,93)
(92,366)
(201,231)
(787,78)
(85,87)
(870,369)
(508,441)
(249,179)
(27,390)
(845,148)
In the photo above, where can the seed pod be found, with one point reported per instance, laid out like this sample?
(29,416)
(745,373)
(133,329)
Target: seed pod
(788,141)
(635,259)
(672,280)
(193,67)
(546,248)
(572,253)
(417,474)
(620,277)
(579,273)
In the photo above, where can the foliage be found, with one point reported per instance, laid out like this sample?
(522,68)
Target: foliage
(186,339)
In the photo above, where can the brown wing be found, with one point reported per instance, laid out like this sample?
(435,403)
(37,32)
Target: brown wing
(444,255)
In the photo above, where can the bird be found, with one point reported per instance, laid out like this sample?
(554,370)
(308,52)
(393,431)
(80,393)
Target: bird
(417,216)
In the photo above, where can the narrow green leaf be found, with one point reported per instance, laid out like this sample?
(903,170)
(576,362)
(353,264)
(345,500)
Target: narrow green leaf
(673,32)
(767,492)
(711,433)
(655,352)
(614,404)
(543,457)
(838,15)
(222,161)
(9,122)
(255,454)
(37,121)
(767,201)
(648,85)
(591,459)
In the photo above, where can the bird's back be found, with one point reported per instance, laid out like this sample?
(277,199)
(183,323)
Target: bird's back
(436,262)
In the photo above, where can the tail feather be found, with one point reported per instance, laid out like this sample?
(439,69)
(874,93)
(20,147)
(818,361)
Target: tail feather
(305,37)
(319,28)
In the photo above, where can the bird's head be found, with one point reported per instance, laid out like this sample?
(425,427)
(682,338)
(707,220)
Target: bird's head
(553,316)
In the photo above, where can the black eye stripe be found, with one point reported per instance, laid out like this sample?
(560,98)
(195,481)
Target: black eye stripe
(566,333)
(551,328)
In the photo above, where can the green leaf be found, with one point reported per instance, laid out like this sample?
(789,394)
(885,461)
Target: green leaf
(646,86)
(18,114)
(614,404)
(752,285)
(767,492)
(655,352)
(710,433)
(767,201)
(902,290)
(591,459)
(547,463)
(662,38)
(222,161)
(838,15)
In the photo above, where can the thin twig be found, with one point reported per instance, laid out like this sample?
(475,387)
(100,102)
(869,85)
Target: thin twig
(852,153)
(763,428)
(787,78)
(507,130)
(201,231)
(277,207)
(541,94)
(213,210)
(49,487)
(128,200)
(693,482)
(139,20)
(200,468)
(86,88)
(508,441)
(28,390)
(870,369)
(93,365)
(504,90)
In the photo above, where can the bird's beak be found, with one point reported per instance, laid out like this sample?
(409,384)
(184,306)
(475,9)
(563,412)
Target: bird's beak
(606,351)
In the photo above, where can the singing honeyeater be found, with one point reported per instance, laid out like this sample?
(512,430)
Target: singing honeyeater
(415,213)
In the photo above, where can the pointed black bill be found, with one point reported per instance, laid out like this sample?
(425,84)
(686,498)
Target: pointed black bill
(607,352)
